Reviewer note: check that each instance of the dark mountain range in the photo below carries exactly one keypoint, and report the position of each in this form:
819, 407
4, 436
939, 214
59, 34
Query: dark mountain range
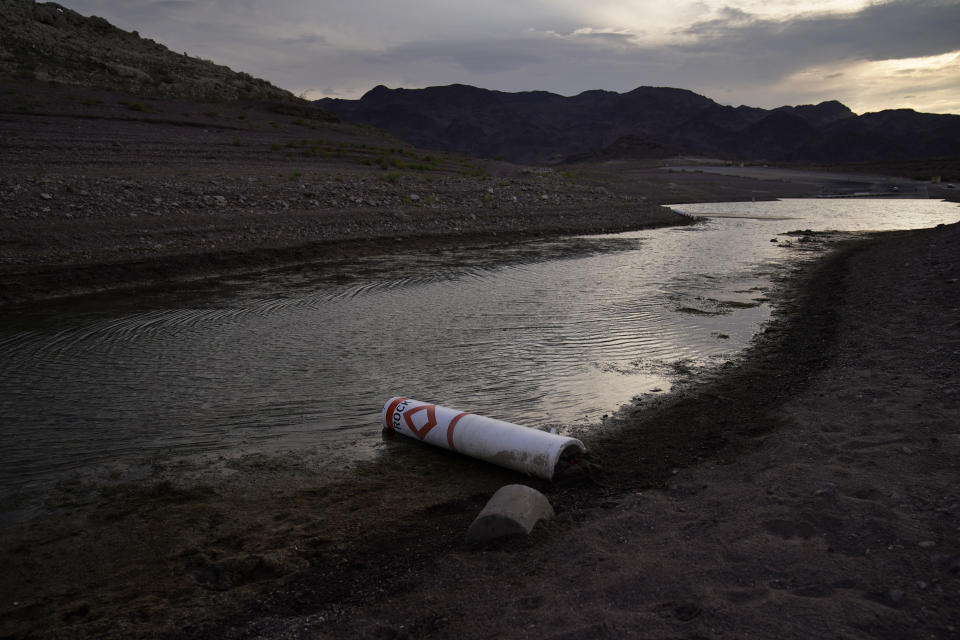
542, 127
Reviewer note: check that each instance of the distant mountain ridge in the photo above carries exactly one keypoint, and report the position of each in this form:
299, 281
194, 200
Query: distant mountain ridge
542, 127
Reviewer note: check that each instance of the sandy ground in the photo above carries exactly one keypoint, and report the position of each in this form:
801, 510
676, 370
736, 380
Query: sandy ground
810, 491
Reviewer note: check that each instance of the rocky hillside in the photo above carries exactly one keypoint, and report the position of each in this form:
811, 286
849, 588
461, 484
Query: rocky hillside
46, 41
647, 122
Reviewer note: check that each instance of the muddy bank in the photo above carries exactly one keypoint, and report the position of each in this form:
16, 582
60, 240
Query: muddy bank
810, 491
41, 259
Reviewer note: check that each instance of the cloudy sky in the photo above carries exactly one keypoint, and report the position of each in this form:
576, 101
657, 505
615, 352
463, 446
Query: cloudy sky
870, 55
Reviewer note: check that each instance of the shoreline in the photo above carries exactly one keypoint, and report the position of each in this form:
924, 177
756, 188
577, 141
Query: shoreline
50, 278
743, 497
95, 195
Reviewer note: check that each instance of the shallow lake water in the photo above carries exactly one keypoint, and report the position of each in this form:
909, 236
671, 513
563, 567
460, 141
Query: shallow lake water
300, 361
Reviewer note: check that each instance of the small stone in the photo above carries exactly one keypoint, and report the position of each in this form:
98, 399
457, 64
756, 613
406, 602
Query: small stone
927, 544
828, 490
414, 197
896, 595
46, 196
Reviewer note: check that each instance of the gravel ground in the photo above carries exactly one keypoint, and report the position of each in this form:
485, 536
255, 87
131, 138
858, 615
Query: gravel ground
95, 194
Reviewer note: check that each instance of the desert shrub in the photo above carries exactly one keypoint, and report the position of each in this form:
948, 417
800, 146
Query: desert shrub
134, 106
393, 177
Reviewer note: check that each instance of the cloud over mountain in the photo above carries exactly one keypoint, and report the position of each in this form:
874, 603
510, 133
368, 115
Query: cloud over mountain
737, 51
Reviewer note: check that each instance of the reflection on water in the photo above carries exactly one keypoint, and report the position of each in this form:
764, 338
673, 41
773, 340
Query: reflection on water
545, 333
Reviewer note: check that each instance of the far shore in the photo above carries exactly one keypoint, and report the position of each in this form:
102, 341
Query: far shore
188, 191
116, 242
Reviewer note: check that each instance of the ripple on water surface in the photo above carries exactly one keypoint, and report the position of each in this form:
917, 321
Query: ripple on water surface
301, 359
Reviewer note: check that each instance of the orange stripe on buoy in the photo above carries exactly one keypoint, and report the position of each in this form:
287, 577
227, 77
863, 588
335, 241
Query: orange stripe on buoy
388, 417
450, 427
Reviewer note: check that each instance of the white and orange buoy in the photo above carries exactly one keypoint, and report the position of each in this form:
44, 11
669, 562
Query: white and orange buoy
502, 443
